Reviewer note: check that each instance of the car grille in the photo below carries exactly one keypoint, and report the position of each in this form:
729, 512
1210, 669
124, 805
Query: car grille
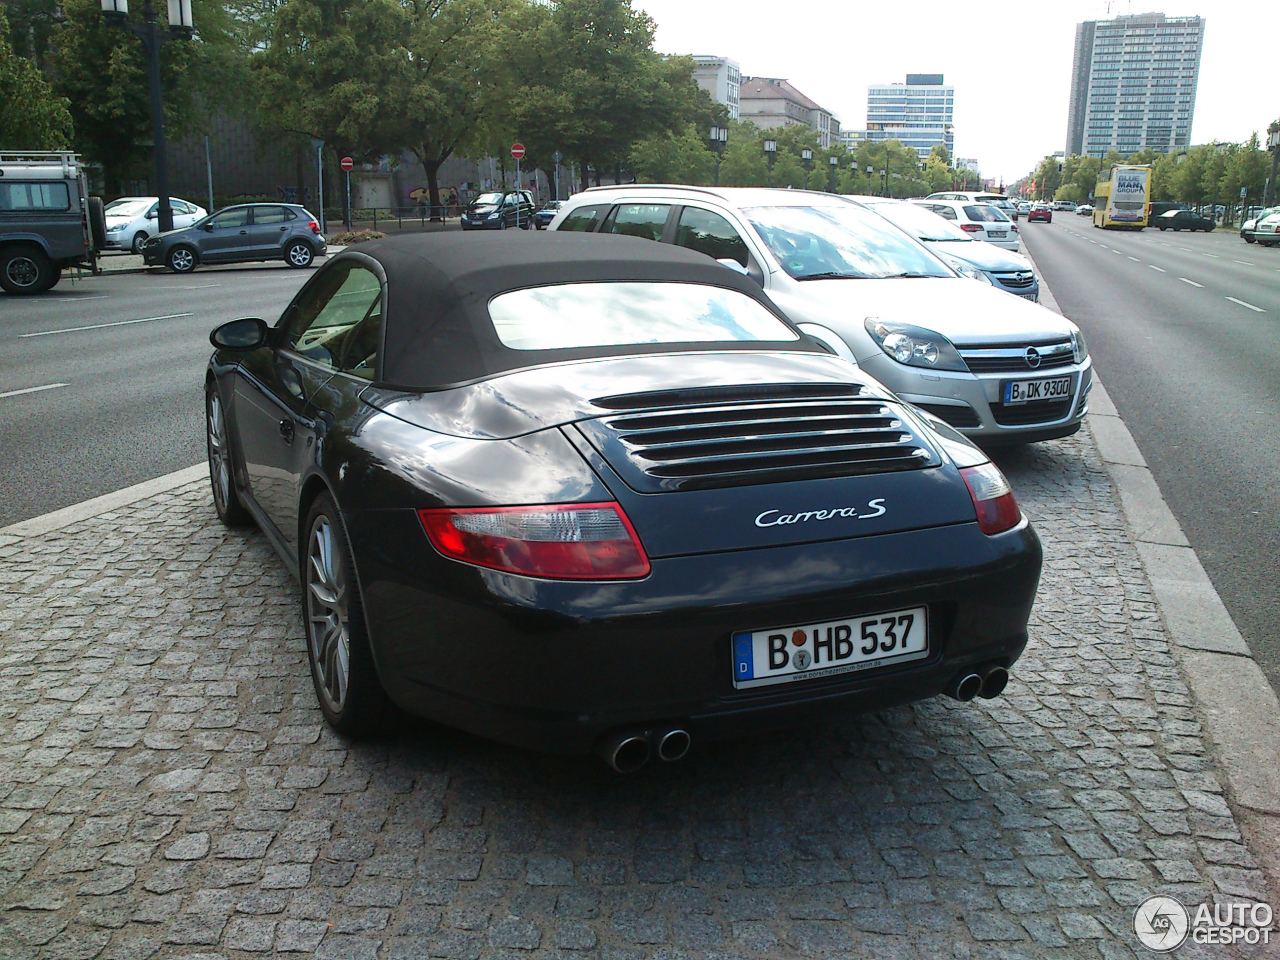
956, 416
1001, 358
1019, 414
731, 436
1016, 281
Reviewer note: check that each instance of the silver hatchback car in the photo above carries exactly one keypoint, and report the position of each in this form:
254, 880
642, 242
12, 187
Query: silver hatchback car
239, 234
996, 367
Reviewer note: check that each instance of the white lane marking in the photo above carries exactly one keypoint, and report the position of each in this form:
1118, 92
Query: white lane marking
1154, 267
1117, 253
1214, 255
201, 286
1185, 249
1247, 263
75, 299
1135, 259
1232, 299
1104, 246
1192, 282
47, 386
99, 326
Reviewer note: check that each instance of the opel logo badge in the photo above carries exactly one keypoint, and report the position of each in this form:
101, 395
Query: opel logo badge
1033, 357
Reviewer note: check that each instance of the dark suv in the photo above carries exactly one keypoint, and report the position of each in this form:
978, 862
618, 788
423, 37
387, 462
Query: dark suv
497, 211
47, 220
248, 232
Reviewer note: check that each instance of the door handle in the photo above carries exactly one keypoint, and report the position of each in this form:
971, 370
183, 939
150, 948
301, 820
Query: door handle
283, 229
286, 430
243, 232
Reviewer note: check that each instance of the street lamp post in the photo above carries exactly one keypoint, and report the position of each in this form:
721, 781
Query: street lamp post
834, 163
719, 137
770, 152
806, 157
116, 13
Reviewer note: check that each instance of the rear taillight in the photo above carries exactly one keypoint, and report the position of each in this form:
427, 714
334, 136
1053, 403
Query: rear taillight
1013, 227
971, 227
992, 498
573, 541
315, 227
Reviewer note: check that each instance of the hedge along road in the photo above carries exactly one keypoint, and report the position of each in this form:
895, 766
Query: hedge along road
101, 379
1185, 332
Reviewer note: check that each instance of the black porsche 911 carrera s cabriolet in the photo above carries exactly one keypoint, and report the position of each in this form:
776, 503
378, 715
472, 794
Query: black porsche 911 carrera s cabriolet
583, 493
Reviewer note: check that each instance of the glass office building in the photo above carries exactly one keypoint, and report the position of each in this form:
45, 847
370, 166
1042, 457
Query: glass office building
916, 113
1133, 84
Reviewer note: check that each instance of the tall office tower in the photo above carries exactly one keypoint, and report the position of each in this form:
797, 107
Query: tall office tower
916, 113
1133, 84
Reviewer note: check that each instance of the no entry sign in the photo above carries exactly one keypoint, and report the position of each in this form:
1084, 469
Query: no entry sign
517, 150
348, 164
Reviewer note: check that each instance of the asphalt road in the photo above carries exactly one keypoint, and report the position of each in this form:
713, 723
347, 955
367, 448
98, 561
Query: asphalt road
114, 365
1184, 330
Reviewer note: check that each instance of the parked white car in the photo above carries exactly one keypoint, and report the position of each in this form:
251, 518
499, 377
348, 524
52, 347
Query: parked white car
983, 220
132, 220
1009, 207
997, 368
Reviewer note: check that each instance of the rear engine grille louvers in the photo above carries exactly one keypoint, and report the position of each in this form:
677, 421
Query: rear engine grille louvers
720, 437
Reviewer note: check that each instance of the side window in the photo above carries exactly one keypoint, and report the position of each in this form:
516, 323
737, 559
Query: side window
235, 217
35, 196
265, 215
320, 321
644, 220
584, 219
711, 234
360, 355
947, 213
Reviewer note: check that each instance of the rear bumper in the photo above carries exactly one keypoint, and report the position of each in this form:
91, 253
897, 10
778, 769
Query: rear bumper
556, 666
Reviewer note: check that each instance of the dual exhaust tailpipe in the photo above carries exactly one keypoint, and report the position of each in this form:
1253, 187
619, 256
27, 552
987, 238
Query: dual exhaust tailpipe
987, 681
626, 751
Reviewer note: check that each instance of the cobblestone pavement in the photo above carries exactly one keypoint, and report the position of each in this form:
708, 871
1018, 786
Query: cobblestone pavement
168, 788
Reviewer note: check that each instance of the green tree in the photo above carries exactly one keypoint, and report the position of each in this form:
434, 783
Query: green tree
685, 157
744, 163
32, 116
335, 71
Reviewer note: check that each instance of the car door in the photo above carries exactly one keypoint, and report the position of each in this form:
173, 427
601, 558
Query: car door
267, 231
225, 235
274, 402
184, 215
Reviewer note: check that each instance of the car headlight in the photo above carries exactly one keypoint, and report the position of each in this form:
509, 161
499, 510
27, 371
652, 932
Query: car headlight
114, 229
490, 216
1079, 349
914, 346
970, 271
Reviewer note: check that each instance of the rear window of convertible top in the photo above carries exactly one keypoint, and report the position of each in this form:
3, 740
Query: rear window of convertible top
618, 313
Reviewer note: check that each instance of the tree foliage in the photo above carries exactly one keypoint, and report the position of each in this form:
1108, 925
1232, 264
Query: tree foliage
32, 116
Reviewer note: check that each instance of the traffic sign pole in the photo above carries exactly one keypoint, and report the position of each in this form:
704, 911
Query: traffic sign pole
347, 165
517, 152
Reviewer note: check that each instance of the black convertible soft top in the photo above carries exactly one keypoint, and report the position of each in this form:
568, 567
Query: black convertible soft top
437, 327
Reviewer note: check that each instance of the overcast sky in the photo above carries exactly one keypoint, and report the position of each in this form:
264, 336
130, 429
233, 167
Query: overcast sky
1011, 73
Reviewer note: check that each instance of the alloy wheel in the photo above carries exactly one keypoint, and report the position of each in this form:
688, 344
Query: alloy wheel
22, 272
300, 255
182, 260
219, 461
328, 629
139, 239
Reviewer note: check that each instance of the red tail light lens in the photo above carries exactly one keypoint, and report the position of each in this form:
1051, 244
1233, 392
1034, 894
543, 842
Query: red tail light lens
992, 498
1013, 227
971, 227
315, 227
572, 541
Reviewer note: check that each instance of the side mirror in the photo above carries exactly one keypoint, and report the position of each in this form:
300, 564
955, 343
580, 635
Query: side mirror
152, 216
207, 226
248, 333
733, 264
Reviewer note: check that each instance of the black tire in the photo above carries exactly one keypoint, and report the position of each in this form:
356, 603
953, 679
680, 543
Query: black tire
25, 270
502, 224
54, 276
139, 239
182, 258
1249, 240
222, 474
97, 224
299, 254
333, 619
